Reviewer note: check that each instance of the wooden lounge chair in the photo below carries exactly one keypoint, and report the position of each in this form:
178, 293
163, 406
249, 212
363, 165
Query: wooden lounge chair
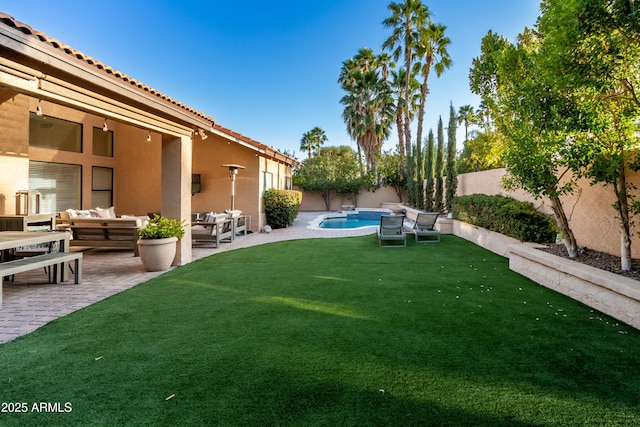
424, 228
216, 228
391, 230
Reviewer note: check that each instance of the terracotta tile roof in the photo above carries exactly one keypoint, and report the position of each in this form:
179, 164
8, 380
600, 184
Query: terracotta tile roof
25, 29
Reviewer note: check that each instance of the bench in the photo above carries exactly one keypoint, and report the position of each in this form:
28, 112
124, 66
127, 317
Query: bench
104, 233
55, 260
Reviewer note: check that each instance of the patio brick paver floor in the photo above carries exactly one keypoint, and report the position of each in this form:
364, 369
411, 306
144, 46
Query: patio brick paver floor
30, 302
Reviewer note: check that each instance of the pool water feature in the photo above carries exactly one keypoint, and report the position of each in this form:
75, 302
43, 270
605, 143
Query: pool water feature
352, 220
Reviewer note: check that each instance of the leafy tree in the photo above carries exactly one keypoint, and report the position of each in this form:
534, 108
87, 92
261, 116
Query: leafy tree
349, 180
392, 169
406, 21
592, 51
331, 171
484, 151
531, 115
452, 175
429, 205
438, 203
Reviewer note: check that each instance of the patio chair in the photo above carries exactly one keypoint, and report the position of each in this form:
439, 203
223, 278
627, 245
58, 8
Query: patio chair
239, 221
424, 228
391, 231
215, 228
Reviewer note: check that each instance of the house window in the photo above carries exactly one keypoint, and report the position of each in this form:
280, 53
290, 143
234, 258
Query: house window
102, 142
267, 181
59, 185
55, 134
101, 187
288, 183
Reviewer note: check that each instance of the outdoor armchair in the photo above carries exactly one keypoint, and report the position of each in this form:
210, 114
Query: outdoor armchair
239, 222
391, 231
215, 228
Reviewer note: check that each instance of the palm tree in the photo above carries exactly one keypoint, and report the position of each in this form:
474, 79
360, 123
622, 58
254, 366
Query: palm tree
466, 115
432, 50
305, 143
407, 18
312, 140
368, 113
368, 102
397, 83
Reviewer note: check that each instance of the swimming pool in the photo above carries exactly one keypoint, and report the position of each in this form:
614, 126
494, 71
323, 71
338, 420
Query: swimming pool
352, 220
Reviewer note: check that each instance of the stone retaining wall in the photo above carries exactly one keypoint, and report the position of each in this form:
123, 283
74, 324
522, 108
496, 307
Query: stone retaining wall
610, 293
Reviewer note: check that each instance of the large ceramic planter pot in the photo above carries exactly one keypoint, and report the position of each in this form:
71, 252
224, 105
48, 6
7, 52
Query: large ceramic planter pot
157, 254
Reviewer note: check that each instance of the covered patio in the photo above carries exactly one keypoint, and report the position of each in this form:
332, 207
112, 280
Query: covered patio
156, 147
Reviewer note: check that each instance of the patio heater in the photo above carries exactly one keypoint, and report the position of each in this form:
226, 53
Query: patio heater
233, 171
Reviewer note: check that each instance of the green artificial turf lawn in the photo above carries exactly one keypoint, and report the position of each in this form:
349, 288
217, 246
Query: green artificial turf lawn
331, 332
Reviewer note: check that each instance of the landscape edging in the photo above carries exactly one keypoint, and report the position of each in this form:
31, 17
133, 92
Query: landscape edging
610, 293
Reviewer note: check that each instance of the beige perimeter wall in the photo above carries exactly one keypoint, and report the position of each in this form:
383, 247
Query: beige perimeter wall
312, 201
590, 209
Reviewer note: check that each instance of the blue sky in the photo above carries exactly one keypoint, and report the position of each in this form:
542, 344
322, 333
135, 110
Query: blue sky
266, 69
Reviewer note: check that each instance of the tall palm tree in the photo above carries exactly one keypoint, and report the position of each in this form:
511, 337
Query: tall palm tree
318, 137
466, 115
312, 140
367, 101
432, 51
368, 113
397, 83
305, 143
406, 20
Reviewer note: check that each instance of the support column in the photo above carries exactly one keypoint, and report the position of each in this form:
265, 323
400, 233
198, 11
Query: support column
176, 188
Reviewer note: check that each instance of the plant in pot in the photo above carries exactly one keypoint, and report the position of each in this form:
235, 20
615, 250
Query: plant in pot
157, 242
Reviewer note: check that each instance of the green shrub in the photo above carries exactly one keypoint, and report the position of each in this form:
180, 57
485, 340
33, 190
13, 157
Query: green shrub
507, 216
281, 207
160, 227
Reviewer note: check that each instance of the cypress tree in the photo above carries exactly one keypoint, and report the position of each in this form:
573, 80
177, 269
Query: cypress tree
411, 178
452, 174
428, 173
439, 202
419, 188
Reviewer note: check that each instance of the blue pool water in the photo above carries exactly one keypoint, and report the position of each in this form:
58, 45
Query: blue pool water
355, 220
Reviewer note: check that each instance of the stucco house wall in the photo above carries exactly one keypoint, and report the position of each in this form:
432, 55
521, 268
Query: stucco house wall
209, 156
137, 164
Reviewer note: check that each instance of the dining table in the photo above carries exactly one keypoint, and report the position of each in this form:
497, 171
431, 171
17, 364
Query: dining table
12, 240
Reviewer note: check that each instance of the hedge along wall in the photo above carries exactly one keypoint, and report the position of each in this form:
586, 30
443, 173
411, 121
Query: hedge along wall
592, 217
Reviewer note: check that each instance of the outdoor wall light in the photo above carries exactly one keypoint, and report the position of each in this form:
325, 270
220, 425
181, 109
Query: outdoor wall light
212, 123
38, 109
104, 126
202, 134
149, 137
